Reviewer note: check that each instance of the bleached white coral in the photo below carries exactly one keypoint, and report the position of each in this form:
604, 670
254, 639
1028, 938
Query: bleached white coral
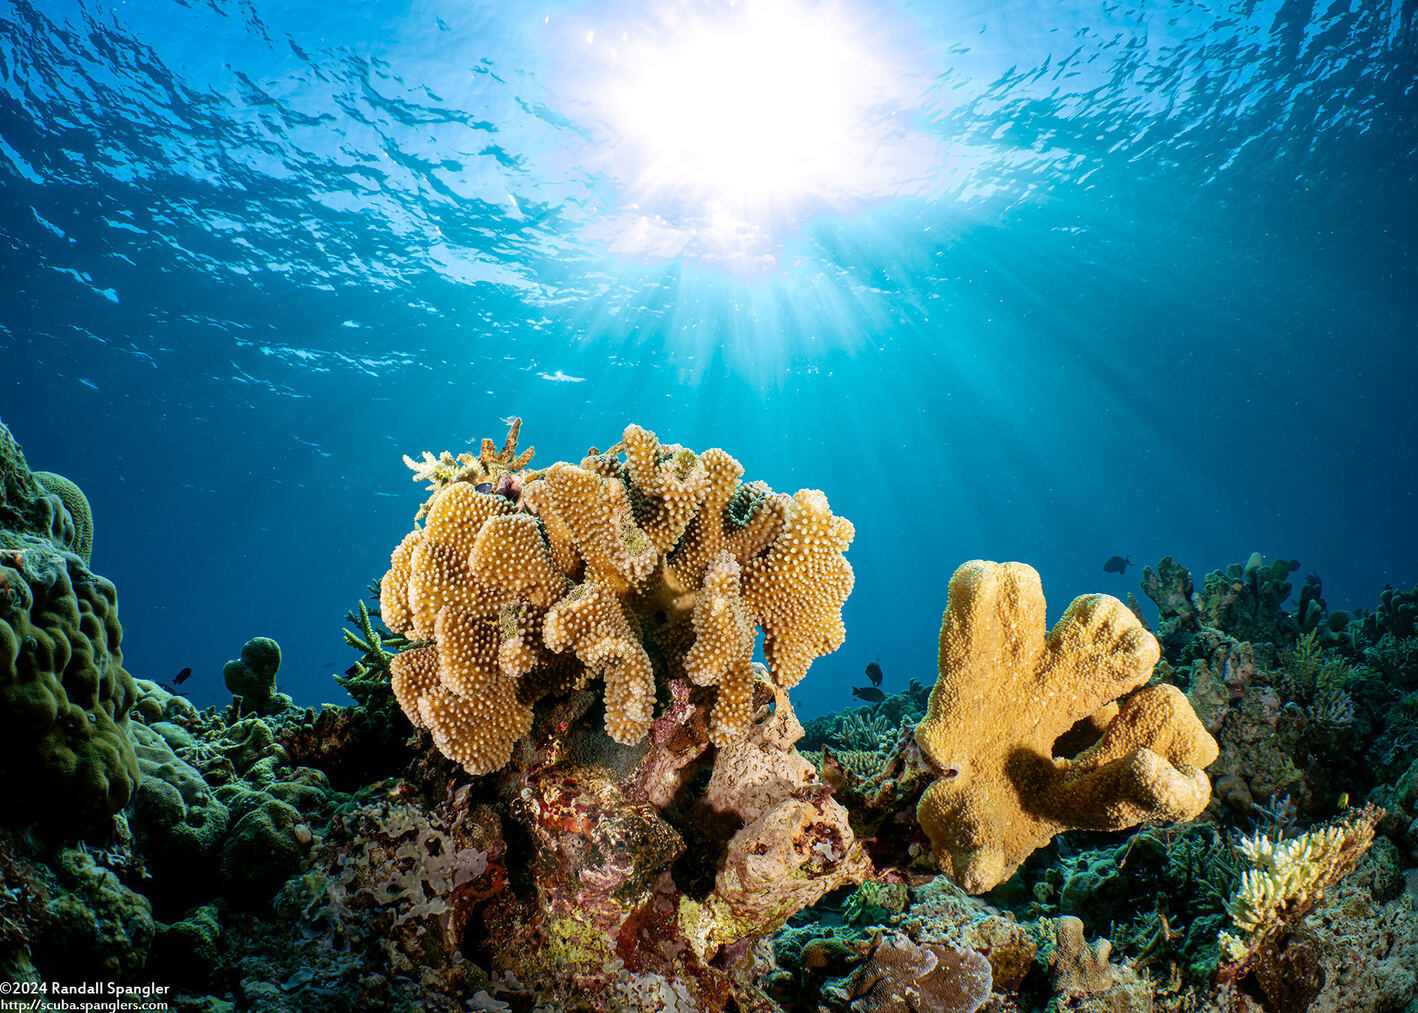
445, 468
1233, 948
1287, 875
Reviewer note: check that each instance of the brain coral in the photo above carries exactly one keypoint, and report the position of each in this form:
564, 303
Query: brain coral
77, 504
1006, 697
65, 753
611, 569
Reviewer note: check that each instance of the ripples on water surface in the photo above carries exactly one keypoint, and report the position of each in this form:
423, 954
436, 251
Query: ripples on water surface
1093, 279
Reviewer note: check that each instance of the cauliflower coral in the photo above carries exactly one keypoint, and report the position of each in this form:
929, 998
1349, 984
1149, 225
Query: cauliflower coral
612, 569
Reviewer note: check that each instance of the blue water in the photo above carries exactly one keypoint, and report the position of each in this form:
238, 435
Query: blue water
1096, 279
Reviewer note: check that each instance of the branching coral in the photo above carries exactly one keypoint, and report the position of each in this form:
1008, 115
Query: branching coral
368, 679
1005, 698
1287, 881
1288, 878
491, 471
856, 730
612, 570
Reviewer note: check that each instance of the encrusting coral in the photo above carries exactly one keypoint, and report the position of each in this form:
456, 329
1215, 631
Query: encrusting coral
794, 844
1007, 695
611, 569
902, 976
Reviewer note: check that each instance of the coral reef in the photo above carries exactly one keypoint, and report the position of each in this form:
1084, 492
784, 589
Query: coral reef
605, 802
639, 861
1246, 599
1005, 697
65, 755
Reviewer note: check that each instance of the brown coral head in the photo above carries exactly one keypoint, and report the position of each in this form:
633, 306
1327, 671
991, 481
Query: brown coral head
902, 976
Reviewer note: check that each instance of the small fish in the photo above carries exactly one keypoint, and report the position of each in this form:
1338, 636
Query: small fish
1117, 564
874, 673
868, 693
183, 676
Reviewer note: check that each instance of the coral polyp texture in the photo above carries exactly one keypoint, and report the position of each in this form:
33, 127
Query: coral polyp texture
523, 583
1006, 697
65, 754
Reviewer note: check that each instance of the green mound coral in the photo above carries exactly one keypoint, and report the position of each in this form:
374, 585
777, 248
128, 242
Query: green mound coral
65, 752
174, 813
77, 504
252, 677
273, 807
186, 950
94, 926
1246, 600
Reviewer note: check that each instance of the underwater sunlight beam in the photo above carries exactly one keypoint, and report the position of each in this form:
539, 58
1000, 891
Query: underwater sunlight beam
726, 126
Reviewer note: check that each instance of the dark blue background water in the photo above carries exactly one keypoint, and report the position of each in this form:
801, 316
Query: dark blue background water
1159, 298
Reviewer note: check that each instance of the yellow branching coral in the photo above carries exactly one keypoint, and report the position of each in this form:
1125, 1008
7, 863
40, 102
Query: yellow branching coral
601, 571
798, 586
1006, 696
595, 509
666, 484
722, 654
591, 621
739, 519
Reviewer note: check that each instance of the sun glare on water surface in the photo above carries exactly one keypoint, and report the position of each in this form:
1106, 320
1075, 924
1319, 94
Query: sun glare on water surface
724, 126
